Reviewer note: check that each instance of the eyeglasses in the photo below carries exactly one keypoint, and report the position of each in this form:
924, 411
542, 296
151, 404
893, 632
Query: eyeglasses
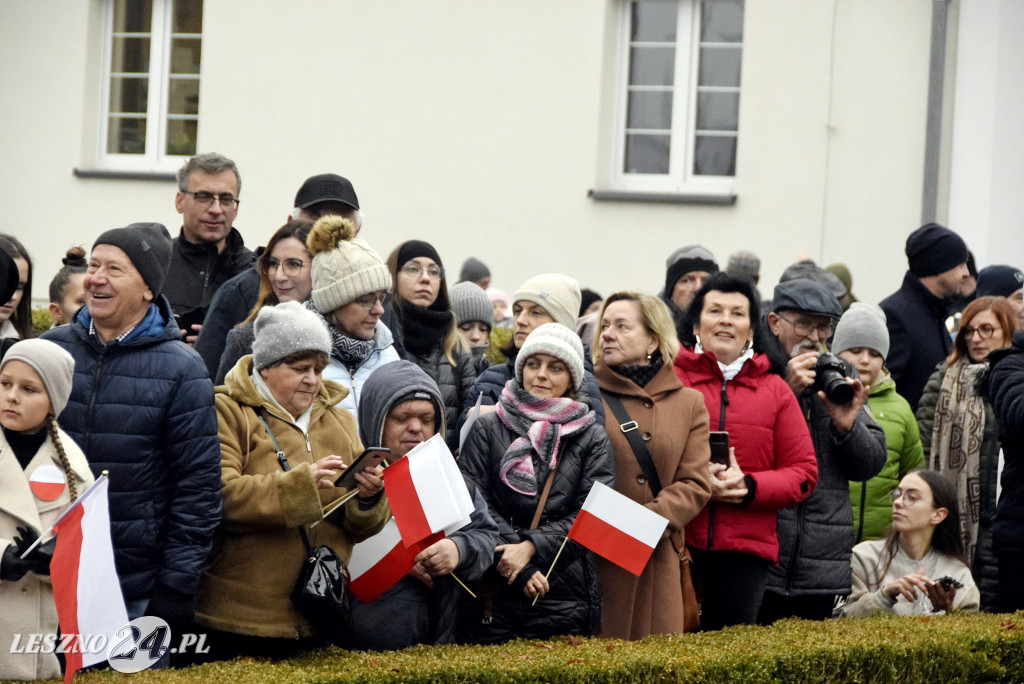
291, 267
984, 330
910, 497
414, 269
368, 301
805, 329
205, 199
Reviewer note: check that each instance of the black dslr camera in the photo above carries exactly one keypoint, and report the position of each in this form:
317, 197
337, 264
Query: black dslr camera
830, 378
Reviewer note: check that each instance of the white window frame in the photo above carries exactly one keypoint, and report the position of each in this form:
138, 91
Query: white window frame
154, 159
680, 179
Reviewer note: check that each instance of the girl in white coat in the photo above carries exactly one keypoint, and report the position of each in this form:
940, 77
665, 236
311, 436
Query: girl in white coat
42, 471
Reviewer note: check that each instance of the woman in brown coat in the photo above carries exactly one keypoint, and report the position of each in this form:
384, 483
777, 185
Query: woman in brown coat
635, 349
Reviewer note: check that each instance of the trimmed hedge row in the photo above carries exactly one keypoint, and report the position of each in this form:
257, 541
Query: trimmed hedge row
878, 650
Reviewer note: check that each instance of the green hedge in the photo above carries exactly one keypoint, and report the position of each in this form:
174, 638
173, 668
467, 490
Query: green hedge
931, 650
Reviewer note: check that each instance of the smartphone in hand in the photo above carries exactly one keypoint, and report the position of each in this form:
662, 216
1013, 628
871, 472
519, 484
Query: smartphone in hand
719, 447
371, 458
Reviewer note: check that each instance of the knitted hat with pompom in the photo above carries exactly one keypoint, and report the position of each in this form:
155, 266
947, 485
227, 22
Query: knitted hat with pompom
344, 267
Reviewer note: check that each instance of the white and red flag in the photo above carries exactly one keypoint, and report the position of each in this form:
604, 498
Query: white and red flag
618, 528
85, 585
427, 492
383, 559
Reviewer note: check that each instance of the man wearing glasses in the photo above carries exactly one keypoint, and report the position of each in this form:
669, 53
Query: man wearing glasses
208, 250
816, 535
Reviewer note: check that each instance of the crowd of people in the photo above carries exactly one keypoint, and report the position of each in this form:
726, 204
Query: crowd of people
867, 458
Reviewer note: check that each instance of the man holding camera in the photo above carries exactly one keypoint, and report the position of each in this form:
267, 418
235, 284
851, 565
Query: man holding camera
816, 536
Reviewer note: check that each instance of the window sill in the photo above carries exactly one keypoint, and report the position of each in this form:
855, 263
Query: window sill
107, 174
667, 197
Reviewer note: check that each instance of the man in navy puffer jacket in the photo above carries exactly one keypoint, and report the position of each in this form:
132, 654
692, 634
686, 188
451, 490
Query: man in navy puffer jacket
141, 407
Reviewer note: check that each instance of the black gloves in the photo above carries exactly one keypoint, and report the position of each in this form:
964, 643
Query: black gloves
171, 605
13, 567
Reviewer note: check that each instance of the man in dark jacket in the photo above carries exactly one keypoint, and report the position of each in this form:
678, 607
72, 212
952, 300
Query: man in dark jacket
686, 269
916, 313
208, 251
1006, 391
402, 407
141, 407
816, 535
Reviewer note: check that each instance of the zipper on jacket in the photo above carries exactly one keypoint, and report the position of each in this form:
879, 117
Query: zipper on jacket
713, 507
96, 373
863, 505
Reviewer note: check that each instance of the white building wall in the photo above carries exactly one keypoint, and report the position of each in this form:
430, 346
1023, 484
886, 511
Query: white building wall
479, 126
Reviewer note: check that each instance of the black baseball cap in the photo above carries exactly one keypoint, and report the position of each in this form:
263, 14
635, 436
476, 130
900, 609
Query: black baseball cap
326, 187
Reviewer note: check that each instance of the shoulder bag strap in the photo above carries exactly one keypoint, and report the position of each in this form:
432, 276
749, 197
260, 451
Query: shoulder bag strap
630, 429
544, 495
283, 460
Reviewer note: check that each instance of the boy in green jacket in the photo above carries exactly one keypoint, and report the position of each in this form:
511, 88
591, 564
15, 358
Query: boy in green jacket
862, 339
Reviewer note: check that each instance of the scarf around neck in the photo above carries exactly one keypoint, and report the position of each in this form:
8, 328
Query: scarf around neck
424, 329
641, 375
348, 350
540, 424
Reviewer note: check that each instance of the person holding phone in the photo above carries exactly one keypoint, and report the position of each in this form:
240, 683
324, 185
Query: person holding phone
920, 568
771, 461
244, 600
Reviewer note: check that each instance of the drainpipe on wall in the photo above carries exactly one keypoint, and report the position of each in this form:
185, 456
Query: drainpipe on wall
933, 127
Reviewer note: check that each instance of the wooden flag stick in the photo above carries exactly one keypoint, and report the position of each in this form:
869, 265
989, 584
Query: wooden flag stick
330, 508
564, 542
463, 585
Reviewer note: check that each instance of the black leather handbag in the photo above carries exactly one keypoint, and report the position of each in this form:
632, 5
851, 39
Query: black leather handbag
321, 593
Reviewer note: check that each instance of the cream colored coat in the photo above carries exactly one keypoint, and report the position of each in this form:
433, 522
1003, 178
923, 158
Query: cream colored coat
246, 588
26, 606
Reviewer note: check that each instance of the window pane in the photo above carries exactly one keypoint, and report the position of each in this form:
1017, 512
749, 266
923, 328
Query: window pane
129, 95
133, 16
183, 96
181, 137
650, 110
654, 20
720, 67
714, 156
127, 136
185, 54
718, 111
647, 153
130, 55
188, 16
652, 66
722, 21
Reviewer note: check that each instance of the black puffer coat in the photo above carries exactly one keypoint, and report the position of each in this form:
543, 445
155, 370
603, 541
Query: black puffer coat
453, 381
573, 605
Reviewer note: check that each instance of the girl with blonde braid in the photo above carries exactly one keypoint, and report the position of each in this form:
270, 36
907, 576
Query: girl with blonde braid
42, 471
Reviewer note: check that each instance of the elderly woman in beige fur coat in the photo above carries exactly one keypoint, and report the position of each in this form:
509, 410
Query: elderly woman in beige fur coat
42, 471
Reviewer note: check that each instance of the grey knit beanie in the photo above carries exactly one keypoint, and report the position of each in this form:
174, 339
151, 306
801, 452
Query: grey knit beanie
286, 329
863, 325
555, 340
148, 245
557, 294
471, 303
55, 366
685, 260
344, 267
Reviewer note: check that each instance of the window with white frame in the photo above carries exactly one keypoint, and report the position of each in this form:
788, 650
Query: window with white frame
677, 109
150, 92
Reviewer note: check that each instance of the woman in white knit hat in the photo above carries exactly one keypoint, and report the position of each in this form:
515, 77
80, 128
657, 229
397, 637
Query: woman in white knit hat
351, 288
512, 456
42, 471
275, 396
546, 298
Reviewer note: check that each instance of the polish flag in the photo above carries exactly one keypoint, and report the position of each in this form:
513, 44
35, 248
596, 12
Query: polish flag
427, 492
618, 528
85, 585
383, 559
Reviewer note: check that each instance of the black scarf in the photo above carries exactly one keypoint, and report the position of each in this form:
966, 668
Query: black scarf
424, 329
641, 375
351, 352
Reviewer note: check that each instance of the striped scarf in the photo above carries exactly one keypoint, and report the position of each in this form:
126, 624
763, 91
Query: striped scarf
540, 424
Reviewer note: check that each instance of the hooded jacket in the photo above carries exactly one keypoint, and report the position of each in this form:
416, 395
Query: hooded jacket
454, 383
872, 510
410, 612
143, 410
247, 587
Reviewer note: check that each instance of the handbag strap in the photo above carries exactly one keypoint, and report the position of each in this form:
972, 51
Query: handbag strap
544, 495
632, 432
283, 460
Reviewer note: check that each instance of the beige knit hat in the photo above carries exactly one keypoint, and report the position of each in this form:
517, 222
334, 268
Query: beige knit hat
344, 267
55, 366
557, 294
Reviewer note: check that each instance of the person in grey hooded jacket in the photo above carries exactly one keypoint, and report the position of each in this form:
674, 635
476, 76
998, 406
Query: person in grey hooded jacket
401, 407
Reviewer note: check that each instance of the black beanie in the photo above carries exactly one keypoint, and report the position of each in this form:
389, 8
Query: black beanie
933, 249
148, 245
417, 248
684, 260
